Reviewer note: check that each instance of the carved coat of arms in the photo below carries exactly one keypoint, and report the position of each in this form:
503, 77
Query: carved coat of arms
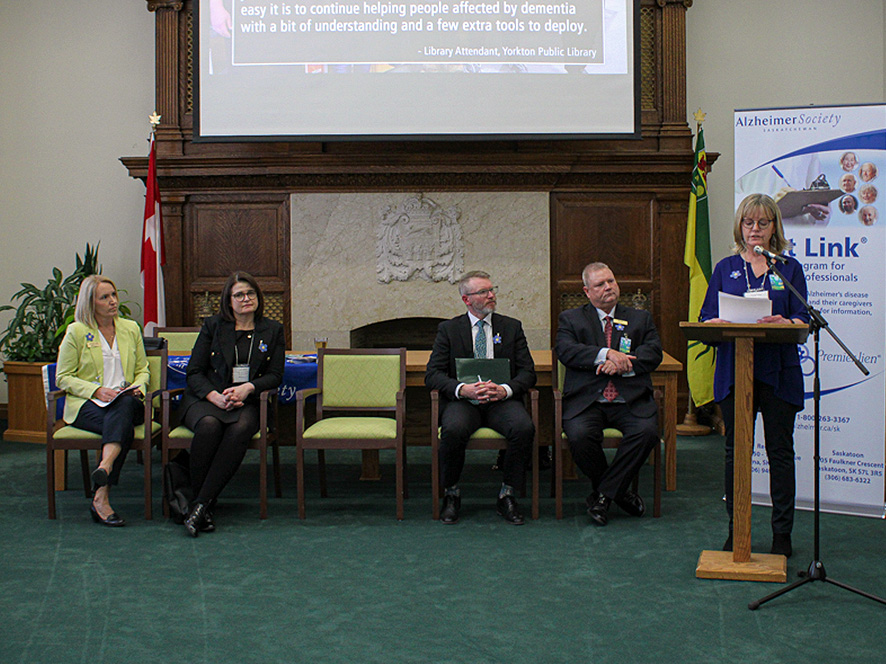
418, 237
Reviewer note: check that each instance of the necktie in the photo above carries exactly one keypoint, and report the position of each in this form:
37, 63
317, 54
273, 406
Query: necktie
609, 392
480, 341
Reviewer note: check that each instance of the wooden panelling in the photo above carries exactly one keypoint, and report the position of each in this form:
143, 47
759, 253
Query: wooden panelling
226, 233
616, 229
235, 237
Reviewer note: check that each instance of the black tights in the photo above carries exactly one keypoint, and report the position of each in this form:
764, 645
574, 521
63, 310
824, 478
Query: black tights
217, 451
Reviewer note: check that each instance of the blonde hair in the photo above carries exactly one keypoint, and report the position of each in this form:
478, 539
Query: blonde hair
85, 309
755, 203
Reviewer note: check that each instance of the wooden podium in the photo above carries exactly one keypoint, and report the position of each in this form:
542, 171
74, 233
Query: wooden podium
740, 564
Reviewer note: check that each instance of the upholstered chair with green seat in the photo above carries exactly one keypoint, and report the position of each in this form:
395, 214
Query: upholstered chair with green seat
61, 436
179, 340
611, 440
361, 405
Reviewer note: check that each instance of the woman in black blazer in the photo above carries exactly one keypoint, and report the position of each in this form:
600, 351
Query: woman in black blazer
238, 354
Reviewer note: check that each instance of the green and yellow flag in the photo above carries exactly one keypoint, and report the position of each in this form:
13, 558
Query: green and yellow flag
697, 257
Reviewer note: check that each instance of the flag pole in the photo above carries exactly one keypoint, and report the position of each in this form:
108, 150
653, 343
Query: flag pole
690, 425
153, 254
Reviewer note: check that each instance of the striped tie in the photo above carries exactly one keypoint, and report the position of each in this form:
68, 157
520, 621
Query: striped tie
609, 392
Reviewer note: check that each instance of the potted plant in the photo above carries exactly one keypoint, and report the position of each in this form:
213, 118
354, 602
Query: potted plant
31, 340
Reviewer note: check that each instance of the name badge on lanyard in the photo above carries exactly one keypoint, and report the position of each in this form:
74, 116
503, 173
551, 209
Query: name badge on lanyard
241, 373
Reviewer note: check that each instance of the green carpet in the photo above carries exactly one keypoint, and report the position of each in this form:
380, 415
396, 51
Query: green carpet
352, 584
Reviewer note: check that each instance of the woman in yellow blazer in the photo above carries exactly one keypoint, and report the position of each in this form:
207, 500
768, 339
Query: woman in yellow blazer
100, 356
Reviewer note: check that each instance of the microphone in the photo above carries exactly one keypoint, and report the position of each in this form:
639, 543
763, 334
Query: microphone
773, 257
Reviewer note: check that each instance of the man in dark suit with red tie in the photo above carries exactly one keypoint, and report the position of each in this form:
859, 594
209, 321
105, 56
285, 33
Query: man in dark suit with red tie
467, 406
609, 352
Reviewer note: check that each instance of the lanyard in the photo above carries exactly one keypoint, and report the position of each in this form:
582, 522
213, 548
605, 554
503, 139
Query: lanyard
747, 279
237, 351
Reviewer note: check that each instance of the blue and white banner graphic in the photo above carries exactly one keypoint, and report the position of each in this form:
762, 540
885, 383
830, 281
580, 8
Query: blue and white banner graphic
827, 168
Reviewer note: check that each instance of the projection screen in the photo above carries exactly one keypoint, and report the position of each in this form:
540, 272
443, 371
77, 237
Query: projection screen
437, 69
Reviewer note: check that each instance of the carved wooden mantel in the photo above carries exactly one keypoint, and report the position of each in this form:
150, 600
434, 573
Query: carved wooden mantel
641, 186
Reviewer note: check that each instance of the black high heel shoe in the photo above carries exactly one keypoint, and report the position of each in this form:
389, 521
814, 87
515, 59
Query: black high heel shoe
113, 521
99, 477
208, 525
196, 519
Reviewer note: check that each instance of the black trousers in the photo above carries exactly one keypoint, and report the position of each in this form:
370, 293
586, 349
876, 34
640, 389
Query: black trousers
460, 419
217, 450
778, 429
585, 434
115, 424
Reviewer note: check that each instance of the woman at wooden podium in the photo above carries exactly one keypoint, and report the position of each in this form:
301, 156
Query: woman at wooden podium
778, 380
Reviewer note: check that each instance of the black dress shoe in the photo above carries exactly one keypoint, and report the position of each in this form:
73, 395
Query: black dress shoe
599, 511
781, 544
449, 511
113, 521
99, 477
195, 519
631, 503
509, 511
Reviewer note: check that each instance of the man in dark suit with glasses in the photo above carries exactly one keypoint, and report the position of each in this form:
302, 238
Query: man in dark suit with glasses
468, 405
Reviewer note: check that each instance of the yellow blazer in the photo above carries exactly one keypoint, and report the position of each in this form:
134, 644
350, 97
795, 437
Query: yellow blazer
80, 370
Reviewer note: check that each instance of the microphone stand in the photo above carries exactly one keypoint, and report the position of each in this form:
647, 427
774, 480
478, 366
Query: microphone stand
815, 571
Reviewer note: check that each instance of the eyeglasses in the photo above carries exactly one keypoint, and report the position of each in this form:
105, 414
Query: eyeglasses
762, 224
484, 292
242, 295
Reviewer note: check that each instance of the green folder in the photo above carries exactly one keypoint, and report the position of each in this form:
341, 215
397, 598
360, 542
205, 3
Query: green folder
471, 369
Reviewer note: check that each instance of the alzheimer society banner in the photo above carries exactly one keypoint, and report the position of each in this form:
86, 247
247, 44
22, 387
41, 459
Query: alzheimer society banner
826, 167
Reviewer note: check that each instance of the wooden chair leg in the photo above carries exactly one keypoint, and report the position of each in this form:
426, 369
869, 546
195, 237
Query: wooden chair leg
278, 488
405, 472
149, 507
435, 478
536, 463
164, 459
300, 479
401, 453
321, 468
558, 478
263, 482
84, 470
50, 480
656, 481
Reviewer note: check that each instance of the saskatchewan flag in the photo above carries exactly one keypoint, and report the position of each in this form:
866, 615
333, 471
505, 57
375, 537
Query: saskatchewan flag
697, 257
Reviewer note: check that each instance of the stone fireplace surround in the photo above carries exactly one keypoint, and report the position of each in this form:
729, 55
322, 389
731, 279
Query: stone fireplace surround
335, 284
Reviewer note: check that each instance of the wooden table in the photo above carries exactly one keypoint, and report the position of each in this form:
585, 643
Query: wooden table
664, 378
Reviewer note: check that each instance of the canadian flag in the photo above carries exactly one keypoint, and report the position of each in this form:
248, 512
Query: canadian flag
153, 253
